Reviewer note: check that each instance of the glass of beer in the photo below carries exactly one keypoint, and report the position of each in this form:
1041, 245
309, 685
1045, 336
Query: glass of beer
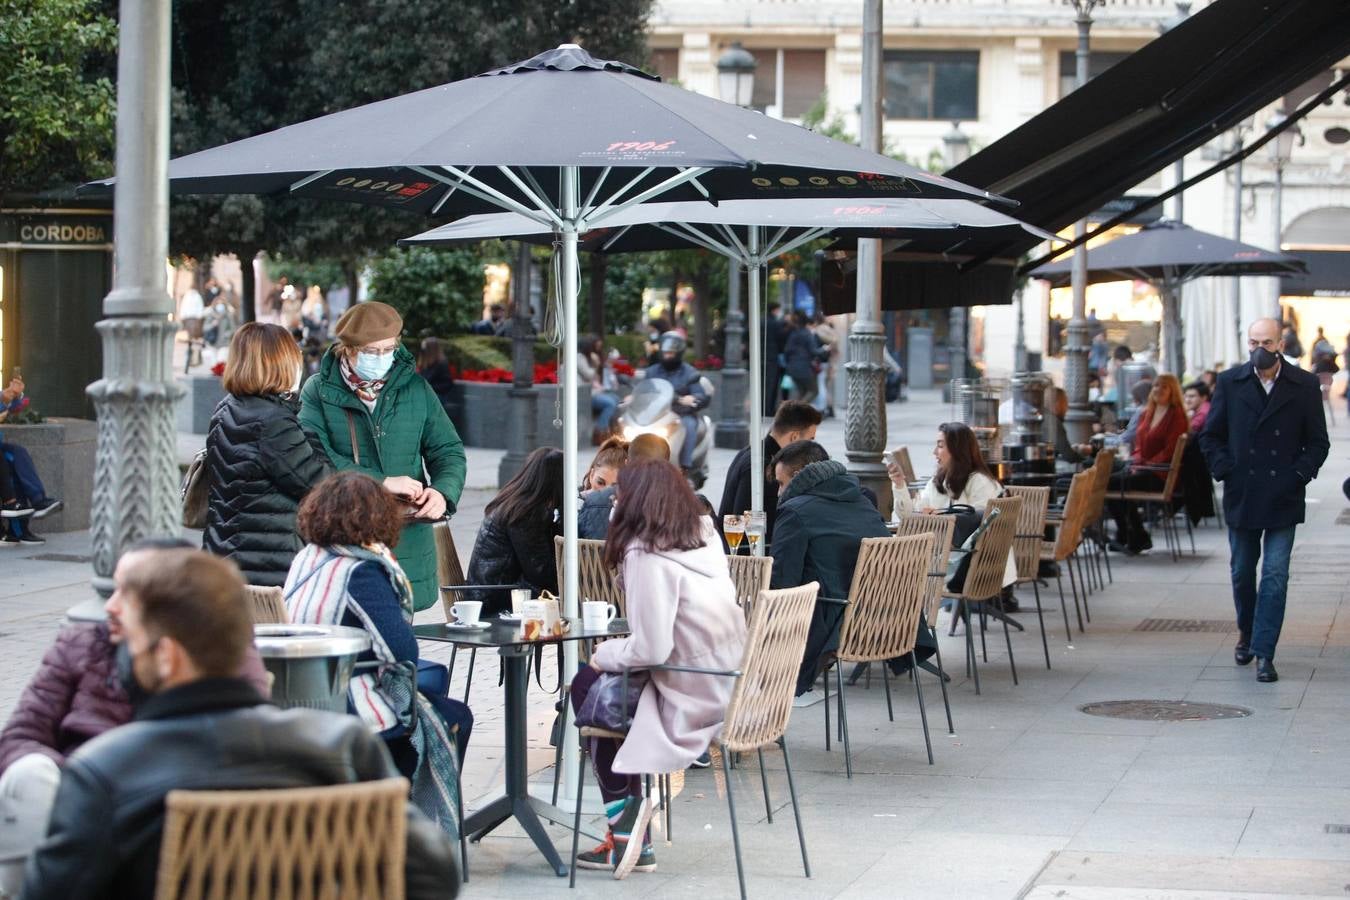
754, 528
734, 529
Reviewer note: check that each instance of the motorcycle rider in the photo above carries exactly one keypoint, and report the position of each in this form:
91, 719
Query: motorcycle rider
690, 397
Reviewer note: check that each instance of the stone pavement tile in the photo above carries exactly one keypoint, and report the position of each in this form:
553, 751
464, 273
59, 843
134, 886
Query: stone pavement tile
978, 815
1098, 757
936, 864
1078, 892
1286, 834
1160, 828
1237, 764
1167, 875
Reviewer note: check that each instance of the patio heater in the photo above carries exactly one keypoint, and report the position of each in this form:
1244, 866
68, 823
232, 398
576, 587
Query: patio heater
975, 401
736, 84
1025, 449
1281, 150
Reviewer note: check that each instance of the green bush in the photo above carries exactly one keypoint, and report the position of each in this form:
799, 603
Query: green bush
471, 352
436, 290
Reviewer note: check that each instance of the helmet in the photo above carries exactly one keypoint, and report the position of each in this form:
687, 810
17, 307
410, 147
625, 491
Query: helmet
672, 342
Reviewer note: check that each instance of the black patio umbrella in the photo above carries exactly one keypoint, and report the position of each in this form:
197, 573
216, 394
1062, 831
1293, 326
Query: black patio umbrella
1168, 254
751, 232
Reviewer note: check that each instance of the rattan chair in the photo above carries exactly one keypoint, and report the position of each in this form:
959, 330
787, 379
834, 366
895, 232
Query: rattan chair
595, 580
1061, 550
1027, 547
984, 578
881, 620
761, 703
267, 605
346, 841
1094, 519
1162, 499
450, 574
750, 575
940, 530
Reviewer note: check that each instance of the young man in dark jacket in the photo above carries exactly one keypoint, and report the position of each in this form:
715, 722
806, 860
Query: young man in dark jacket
794, 421
187, 630
822, 519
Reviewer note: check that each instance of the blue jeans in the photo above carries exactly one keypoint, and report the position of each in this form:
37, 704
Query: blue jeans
690, 423
1260, 610
603, 405
26, 479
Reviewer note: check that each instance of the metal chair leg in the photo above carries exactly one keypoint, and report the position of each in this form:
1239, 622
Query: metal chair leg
1190, 532
984, 647
468, 682
1007, 636
843, 722
1040, 616
970, 648
1068, 632
562, 730
735, 830
942, 680
1073, 588
796, 811
886, 682
576, 818
1107, 556
923, 713
1087, 610
666, 798
827, 709
764, 780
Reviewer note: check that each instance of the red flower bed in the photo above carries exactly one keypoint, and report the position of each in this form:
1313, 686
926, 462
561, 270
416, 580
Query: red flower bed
544, 373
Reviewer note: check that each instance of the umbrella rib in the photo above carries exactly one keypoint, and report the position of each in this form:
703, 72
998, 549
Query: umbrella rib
778, 236
610, 208
805, 237
475, 188
614, 198
683, 231
595, 189
308, 178
448, 193
614, 239
534, 182
534, 194
734, 240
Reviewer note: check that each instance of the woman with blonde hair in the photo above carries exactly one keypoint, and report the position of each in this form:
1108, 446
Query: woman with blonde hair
1161, 424
260, 462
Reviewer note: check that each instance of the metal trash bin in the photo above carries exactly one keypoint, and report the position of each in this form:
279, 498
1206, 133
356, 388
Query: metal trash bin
311, 665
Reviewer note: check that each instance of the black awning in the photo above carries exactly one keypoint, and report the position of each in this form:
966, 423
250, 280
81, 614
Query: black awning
1081, 154
1171, 96
1328, 274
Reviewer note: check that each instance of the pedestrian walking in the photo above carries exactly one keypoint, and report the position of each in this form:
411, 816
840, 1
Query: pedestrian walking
373, 413
1265, 439
260, 463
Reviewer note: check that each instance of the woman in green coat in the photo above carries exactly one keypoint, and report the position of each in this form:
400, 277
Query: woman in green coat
374, 414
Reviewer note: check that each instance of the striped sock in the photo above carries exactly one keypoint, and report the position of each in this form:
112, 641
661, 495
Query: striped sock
614, 809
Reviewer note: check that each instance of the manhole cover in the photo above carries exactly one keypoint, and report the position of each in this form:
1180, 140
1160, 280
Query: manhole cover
1196, 626
1164, 710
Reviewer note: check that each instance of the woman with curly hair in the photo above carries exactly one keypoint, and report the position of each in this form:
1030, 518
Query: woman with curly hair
347, 575
681, 611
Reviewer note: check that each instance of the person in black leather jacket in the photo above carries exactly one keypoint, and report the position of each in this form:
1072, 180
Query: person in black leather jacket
515, 542
260, 462
186, 626
690, 397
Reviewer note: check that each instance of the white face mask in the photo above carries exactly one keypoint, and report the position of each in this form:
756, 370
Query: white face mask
373, 366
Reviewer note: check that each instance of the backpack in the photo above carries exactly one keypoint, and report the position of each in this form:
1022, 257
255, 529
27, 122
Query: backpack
196, 490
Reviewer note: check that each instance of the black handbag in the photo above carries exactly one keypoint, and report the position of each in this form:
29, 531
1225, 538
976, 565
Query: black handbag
608, 706
970, 524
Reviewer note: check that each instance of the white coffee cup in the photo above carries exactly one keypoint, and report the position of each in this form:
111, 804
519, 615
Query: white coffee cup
466, 612
597, 614
518, 598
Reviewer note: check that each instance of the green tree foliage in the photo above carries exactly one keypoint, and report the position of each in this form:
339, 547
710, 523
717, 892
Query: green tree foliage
438, 291
56, 99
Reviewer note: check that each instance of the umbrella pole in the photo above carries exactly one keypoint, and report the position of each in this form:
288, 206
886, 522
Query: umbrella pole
756, 337
571, 176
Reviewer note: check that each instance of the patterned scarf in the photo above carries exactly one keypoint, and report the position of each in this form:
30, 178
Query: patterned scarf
367, 391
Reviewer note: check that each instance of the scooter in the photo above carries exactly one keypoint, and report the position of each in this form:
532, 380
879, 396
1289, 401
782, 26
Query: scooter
650, 409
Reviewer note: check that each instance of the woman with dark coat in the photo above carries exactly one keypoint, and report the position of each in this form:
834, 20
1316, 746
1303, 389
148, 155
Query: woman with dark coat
515, 541
260, 462
802, 352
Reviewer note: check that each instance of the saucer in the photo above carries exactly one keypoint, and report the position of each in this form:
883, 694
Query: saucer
461, 626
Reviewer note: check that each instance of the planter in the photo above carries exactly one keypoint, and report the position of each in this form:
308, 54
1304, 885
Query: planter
202, 393
63, 453
481, 413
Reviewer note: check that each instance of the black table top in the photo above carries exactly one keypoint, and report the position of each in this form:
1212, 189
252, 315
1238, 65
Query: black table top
507, 634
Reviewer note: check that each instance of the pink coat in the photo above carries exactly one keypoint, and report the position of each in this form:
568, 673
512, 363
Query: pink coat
682, 611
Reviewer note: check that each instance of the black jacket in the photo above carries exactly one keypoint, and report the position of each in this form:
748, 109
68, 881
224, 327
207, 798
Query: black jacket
822, 519
736, 491
521, 553
261, 464
593, 516
215, 734
799, 352
1265, 448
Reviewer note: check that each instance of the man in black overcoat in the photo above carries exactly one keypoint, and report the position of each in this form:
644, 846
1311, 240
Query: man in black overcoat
1265, 439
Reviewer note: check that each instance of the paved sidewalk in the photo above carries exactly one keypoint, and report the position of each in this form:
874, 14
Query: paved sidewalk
1030, 797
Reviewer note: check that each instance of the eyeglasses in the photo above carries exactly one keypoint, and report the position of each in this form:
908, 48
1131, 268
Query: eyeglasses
377, 351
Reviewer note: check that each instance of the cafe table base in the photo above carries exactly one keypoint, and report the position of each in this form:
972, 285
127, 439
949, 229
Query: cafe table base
516, 801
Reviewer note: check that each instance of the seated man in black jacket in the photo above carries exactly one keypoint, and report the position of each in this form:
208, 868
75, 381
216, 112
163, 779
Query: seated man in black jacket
822, 519
794, 421
186, 626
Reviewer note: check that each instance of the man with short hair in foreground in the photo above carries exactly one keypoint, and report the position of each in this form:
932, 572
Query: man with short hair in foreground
187, 628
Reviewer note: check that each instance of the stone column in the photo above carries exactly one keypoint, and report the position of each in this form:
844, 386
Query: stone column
1078, 422
136, 483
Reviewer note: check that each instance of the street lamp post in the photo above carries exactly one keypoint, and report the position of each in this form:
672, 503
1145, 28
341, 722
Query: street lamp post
735, 84
1281, 150
956, 150
136, 464
1078, 422
1244, 125
865, 420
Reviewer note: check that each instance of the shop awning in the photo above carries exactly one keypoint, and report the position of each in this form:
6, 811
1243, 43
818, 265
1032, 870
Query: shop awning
1328, 274
1171, 96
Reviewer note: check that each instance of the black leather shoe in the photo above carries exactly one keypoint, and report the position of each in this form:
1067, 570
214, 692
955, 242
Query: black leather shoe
1265, 671
1242, 652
